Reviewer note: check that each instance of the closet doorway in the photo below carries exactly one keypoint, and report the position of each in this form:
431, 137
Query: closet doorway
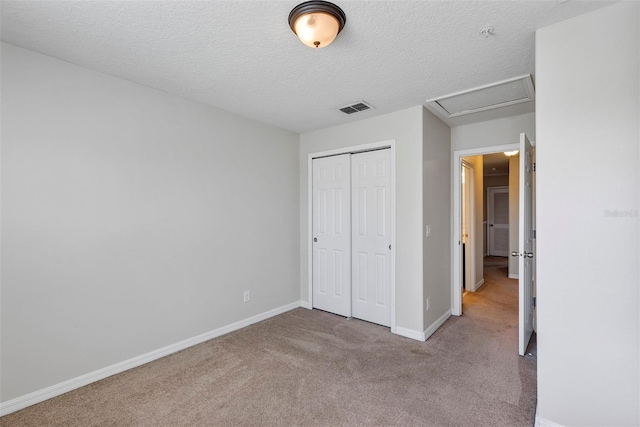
352, 239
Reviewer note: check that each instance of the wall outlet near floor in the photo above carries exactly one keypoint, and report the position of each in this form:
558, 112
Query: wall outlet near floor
428, 303
247, 296
427, 231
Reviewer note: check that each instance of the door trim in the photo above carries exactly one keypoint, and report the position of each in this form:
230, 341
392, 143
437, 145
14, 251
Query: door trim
456, 218
471, 227
391, 144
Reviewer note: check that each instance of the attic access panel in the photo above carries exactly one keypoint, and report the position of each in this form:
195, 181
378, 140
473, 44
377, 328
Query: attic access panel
482, 98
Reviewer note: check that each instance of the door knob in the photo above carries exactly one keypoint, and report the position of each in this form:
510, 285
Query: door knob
389, 247
315, 239
490, 225
528, 254
514, 253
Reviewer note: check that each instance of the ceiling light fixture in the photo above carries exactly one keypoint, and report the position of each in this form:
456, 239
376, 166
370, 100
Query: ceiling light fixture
317, 23
510, 153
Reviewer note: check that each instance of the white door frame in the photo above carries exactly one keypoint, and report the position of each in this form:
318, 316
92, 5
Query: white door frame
391, 144
456, 201
471, 226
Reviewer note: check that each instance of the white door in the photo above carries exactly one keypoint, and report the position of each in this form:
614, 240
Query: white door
332, 234
371, 236
468, 230
498, 219
525, 326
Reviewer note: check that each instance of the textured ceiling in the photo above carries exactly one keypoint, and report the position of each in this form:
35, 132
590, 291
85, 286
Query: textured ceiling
241, 56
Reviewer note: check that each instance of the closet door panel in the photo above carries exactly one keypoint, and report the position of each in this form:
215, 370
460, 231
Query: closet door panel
371, 236
331, 217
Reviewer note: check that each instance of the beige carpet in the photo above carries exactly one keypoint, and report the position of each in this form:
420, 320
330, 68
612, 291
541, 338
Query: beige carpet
314, 368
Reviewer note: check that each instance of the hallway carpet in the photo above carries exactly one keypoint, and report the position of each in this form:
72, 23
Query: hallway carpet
314, 368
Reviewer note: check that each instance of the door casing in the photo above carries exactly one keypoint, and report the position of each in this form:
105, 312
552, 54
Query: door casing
391, 144
470, 246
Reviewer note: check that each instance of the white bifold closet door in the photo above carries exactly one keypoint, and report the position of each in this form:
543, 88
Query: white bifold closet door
332, 234
371, 236
352, 235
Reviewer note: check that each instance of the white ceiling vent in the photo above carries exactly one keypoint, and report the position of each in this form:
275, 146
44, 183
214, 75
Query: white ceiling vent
494, 95
355, 108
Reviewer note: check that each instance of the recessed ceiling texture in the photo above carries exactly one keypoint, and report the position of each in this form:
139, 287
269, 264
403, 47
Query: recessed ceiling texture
241, 56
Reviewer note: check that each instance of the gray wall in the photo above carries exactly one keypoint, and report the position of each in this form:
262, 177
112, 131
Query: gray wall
436, 200
588, 120
131, 220
493, 132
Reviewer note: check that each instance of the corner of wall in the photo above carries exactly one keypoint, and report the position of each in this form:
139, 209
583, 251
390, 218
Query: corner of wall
436, 193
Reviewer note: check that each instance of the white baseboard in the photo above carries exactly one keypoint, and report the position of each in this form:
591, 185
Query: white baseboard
480, 283
514, 276
74, 383
306, 304
541, 422
435, 325
424, 335
410, 333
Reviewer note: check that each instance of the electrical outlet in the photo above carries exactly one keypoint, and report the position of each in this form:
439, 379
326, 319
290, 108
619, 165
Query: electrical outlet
428, 303
247, 296
427, 231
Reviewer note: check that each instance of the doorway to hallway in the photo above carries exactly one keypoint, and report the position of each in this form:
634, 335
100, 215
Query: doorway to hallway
469, 196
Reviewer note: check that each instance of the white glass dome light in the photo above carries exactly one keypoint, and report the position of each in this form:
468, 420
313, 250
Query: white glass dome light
317, 23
